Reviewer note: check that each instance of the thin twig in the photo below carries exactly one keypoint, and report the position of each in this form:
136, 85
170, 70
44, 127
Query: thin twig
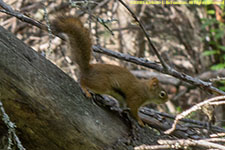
11, 129
217, 103
165, 66
217, 135
217, 79
8, 10
189, 142
215, 140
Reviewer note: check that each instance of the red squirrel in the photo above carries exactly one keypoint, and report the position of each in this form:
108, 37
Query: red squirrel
112, 80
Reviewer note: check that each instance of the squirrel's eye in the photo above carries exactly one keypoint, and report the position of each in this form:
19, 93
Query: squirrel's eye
162, 94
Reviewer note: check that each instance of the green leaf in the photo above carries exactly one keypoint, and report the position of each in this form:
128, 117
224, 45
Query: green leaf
179, 109
213, 43
219, 35
216, 30
222, 88
210, 52
218, 67
222, 47
208, 22
222, 82
211, 12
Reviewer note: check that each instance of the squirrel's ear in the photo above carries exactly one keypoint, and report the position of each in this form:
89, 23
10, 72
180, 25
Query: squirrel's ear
153, 82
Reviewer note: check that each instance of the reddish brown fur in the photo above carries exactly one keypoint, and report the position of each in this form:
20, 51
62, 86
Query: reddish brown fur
79, 38
108, 79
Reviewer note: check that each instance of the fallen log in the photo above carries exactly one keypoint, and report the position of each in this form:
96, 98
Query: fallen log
48, 106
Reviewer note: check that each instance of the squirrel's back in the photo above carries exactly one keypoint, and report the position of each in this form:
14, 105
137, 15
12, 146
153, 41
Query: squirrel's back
79, 38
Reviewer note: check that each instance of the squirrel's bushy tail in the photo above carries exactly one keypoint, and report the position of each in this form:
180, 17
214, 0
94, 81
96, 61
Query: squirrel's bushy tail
79, 38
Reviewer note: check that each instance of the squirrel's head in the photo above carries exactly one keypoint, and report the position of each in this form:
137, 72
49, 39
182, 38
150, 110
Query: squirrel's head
158, 94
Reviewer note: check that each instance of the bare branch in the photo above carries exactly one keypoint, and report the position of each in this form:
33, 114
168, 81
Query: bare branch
217, 79
192, 109
217, 103
8, 10
217, 135
143, 62
215, 140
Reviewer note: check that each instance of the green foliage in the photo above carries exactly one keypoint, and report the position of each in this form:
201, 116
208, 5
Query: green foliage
215, 35
222, 88
208, 22
218, 66
192, 115
222, 83
211, 12
178, 109
210, 52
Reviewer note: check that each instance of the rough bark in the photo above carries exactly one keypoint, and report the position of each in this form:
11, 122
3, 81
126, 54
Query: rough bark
48, 106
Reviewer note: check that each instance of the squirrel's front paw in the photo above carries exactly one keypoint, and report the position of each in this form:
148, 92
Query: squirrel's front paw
86, 92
